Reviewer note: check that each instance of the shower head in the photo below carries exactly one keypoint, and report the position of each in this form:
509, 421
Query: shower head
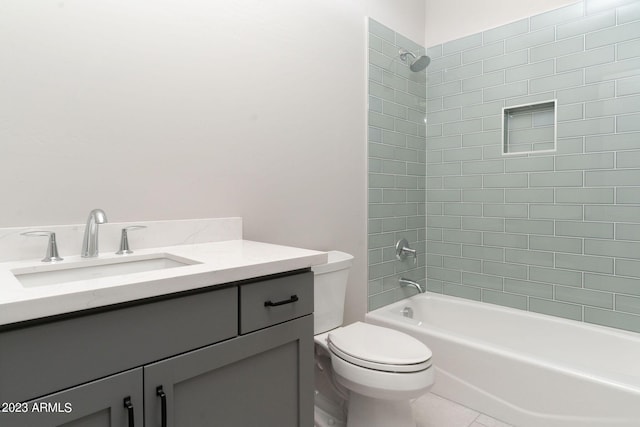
418, 64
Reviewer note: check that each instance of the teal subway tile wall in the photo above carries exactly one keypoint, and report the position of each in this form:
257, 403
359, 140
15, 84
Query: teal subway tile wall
397, 160
551, 232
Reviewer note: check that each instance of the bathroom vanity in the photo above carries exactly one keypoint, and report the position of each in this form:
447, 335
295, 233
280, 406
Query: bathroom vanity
237, 351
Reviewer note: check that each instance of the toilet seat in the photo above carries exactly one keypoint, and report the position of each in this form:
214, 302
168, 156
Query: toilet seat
378, 348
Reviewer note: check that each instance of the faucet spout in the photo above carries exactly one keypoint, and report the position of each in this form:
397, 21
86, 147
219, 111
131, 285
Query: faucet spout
90, 241
407, 282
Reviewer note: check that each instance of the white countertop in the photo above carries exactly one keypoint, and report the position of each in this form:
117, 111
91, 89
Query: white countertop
218, 263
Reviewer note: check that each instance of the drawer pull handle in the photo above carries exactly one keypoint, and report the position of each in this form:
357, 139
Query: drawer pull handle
163, 398
129, 406
293, 299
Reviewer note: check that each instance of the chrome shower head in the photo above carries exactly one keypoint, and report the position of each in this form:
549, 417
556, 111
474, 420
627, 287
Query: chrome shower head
418, 64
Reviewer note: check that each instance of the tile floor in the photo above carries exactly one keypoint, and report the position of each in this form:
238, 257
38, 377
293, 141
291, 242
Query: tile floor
434, 411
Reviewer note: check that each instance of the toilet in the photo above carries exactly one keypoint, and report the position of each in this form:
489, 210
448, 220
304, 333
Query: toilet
366, 375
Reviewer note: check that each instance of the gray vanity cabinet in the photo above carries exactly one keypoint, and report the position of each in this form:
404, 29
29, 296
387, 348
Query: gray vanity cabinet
54, 354
261, 379
239, 355
99, 403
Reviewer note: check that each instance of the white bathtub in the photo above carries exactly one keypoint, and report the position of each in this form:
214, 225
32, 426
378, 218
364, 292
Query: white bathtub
524, 368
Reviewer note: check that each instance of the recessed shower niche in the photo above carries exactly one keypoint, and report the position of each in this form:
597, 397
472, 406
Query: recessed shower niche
529, 128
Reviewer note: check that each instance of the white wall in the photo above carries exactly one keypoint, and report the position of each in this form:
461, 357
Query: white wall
188, 109
406, 17
451, 19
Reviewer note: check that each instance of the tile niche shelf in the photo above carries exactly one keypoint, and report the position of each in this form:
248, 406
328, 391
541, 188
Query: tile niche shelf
529, 128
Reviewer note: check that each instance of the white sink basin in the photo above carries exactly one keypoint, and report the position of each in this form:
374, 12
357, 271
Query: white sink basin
45, 275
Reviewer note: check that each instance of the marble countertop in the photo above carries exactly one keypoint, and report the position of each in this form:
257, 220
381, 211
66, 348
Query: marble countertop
217, 263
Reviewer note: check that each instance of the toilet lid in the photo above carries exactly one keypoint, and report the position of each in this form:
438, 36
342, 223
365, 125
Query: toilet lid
379, 348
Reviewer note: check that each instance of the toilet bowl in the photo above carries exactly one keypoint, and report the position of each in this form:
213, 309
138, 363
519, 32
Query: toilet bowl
381, 369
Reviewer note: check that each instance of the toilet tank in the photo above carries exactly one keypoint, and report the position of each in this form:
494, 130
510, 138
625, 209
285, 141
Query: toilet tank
329, 288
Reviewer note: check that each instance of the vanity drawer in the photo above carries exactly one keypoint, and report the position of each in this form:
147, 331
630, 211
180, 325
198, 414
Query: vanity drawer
273, 301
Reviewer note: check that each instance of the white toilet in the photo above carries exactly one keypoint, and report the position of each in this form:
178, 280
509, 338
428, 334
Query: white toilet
366, 375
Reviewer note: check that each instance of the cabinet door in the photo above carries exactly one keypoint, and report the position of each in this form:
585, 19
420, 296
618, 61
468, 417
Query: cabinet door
264, 378
99, 403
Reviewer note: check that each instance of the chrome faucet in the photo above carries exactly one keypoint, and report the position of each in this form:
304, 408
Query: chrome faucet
407, 282
90, 241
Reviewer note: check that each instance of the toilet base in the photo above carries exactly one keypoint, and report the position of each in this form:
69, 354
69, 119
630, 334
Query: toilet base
322, 418
369, 412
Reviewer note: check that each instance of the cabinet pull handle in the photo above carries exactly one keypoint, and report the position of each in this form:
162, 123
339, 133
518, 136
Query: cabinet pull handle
129, 406
269, 303
163, 399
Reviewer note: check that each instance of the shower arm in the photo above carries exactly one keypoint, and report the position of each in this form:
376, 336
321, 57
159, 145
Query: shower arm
404, 53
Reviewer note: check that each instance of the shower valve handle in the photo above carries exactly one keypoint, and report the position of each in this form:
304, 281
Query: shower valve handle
403, 250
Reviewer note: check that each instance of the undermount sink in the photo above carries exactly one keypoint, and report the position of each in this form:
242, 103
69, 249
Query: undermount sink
53, 274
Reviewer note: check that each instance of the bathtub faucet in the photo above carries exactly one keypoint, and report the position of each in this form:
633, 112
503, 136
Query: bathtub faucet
407, 282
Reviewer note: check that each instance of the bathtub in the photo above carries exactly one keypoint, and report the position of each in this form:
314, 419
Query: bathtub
524, 368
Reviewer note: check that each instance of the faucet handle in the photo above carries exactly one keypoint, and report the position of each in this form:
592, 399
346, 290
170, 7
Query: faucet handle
124, 239
52, 246
403, 249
